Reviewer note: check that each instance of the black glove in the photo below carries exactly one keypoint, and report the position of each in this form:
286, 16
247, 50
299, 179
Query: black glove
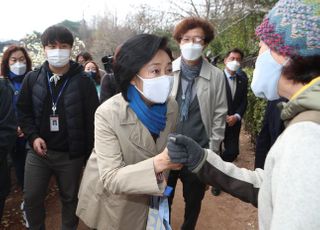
184, 150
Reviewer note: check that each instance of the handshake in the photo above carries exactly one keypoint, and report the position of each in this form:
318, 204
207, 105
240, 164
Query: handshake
183, 150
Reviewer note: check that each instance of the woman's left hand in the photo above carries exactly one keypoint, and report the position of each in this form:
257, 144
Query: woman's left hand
162, 162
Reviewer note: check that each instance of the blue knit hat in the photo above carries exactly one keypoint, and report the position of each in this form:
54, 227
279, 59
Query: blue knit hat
292, 28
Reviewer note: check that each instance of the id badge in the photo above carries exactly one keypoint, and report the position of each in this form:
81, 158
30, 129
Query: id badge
54, 123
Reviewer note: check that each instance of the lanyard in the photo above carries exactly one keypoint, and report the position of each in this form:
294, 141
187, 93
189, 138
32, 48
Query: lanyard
55, 100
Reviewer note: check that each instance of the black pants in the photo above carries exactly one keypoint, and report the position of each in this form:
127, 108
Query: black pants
38, 172
4, 182
18, 156
231, 143
193, 193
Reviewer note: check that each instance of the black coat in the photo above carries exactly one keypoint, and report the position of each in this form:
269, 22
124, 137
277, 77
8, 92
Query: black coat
272, 127
77, 106
109, 87
8, 124
8, 134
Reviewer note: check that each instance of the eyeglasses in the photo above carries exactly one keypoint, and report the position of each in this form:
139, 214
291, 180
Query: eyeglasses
196, 39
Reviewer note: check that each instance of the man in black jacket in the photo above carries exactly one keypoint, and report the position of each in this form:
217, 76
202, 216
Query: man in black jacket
7, 137
237, 88
56, 112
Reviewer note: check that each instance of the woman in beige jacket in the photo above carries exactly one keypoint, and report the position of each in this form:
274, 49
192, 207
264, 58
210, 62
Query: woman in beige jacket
130, 157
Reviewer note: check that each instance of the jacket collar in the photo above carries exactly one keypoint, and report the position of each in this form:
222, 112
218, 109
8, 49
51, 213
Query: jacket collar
307, 98
205, 73
205, 68
139, 135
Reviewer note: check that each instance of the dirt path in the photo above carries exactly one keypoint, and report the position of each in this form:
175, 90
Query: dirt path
222, 212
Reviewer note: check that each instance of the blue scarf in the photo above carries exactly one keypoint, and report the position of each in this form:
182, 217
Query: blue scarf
153, 117
16, 80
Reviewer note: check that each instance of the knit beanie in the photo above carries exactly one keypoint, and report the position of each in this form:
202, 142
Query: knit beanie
292, 28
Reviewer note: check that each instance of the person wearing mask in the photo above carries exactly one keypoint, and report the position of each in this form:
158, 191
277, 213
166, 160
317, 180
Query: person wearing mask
56, 110
237, 89
84, 57
16, 63
8, 134
129, 161
92, 69
200, 91
287, 190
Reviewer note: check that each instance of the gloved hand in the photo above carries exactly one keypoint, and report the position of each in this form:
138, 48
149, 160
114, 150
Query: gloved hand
184, 150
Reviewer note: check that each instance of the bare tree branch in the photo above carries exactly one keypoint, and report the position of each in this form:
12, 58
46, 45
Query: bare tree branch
194, 8
234, 23
207, 8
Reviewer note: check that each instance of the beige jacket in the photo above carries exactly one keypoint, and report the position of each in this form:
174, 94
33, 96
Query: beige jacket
212, 96
119, 176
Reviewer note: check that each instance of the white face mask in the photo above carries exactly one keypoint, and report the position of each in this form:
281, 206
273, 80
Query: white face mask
58, 57
191, 51
157, 89
18, 68
233, 65
266, 76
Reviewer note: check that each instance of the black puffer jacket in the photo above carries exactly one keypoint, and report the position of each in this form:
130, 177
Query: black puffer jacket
76, 109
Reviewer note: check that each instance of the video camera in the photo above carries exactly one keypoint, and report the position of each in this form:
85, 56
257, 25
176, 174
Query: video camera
107, 63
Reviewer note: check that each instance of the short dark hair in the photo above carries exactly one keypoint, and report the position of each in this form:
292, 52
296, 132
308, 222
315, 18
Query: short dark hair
235, 50
133, 55
191, 23
55, 34
302, 69
86, 56
5, 68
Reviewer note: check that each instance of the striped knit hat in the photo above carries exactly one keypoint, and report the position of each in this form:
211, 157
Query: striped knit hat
292, 28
